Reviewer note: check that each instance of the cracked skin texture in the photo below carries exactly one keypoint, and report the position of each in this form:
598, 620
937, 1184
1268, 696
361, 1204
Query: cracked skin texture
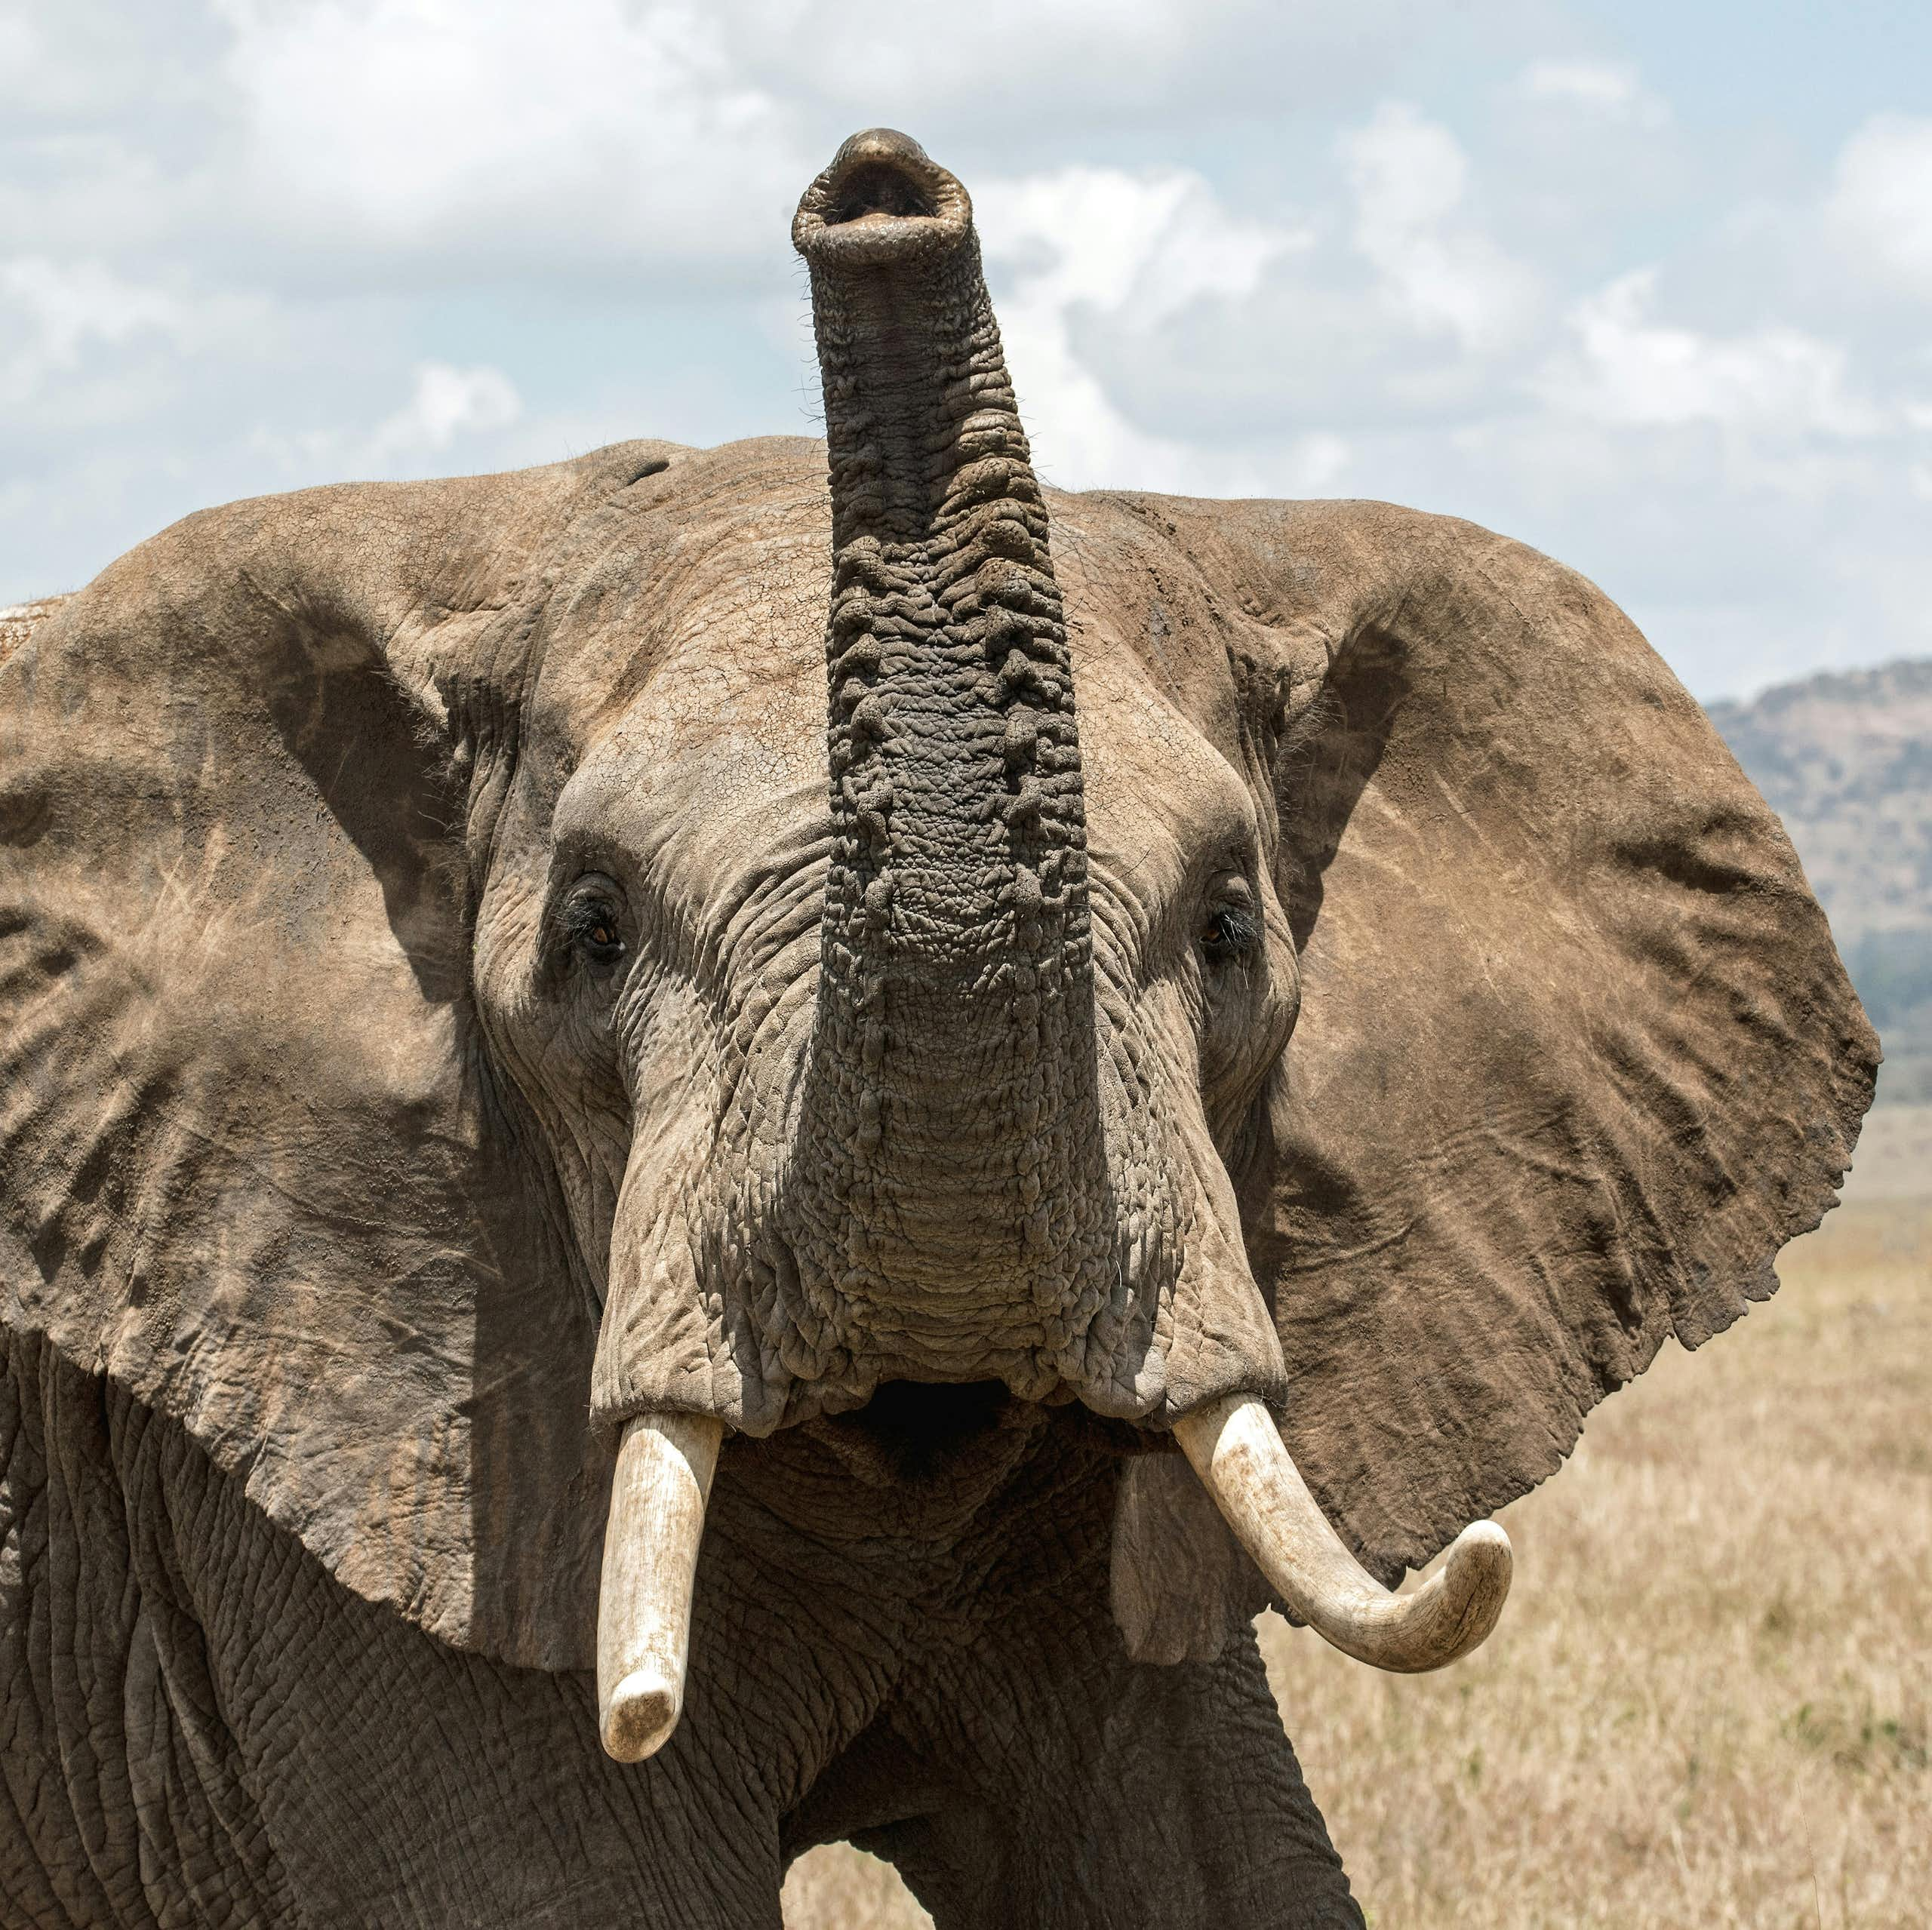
347, 1202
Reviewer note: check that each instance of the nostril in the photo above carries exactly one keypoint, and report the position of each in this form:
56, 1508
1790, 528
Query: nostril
883, 202
876, 190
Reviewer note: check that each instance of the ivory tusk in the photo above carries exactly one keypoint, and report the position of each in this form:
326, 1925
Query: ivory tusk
1244, 1464
665, 1463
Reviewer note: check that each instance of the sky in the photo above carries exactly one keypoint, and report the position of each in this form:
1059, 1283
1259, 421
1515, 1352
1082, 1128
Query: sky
1648, 286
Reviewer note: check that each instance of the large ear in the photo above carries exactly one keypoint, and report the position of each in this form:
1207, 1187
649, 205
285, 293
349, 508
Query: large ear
1576, 1056
251, 1166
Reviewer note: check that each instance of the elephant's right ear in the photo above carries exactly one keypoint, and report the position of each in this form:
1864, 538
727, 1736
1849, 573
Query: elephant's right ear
1575, 1054
251, 1166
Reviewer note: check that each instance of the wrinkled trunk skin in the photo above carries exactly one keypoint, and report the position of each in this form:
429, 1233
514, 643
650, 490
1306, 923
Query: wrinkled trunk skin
949, 1209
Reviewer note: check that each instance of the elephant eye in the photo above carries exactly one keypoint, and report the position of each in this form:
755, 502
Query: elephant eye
1231, 931
591, 924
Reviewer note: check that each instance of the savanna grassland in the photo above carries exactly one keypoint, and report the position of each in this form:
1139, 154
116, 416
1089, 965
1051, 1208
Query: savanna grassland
1710, 1699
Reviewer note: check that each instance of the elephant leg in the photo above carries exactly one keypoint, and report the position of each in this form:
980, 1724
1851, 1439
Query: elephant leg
201, 1726
124, 1802
1116, 1794
404, 1782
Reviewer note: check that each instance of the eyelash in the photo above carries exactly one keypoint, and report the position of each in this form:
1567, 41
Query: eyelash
583, 920
1232, 932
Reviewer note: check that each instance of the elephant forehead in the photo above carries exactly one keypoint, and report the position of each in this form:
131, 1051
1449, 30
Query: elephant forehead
1163, 802
717, 766
706, 609
1139, 605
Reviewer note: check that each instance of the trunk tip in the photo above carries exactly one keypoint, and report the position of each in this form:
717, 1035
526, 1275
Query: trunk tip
883, 201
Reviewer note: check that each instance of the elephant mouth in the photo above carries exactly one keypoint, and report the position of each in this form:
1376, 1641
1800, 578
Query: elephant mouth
912, 1430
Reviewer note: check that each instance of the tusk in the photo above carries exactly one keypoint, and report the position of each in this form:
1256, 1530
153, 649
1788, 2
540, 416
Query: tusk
1245, 1464
644, 1610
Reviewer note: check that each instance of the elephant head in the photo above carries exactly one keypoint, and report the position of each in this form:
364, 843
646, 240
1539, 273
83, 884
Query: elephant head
511, 979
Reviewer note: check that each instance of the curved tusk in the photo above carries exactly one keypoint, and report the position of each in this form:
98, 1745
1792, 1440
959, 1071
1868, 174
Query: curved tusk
1245, 1464
665, 1463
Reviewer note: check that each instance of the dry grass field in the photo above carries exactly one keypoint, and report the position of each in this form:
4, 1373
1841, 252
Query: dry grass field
1710, 1699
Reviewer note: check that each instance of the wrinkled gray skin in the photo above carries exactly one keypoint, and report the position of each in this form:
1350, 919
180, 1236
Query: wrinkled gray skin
457, 991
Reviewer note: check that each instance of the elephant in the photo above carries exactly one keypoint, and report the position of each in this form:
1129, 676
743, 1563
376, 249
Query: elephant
656, 1207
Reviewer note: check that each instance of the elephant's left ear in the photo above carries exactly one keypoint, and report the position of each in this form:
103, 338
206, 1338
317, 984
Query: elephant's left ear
249, 1166
1576, 1056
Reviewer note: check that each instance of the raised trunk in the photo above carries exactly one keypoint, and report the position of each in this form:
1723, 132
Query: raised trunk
957, 1178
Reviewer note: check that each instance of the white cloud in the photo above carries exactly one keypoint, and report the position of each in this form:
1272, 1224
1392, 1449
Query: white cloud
1008, 70
66, 305
1411, 180
432, 141
82, 344
19, 57
1880, 207
1745, 488
1141, 247
447, 407
1630, 369
489, 128
1159, 239
447, 403
1608, 88
912, 54
1393, 301
250, 243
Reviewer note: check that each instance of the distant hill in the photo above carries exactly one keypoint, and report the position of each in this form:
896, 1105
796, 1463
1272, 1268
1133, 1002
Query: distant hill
1846, 761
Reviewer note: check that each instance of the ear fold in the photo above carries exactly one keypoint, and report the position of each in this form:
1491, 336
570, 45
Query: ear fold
1576, 1056
249, 1164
